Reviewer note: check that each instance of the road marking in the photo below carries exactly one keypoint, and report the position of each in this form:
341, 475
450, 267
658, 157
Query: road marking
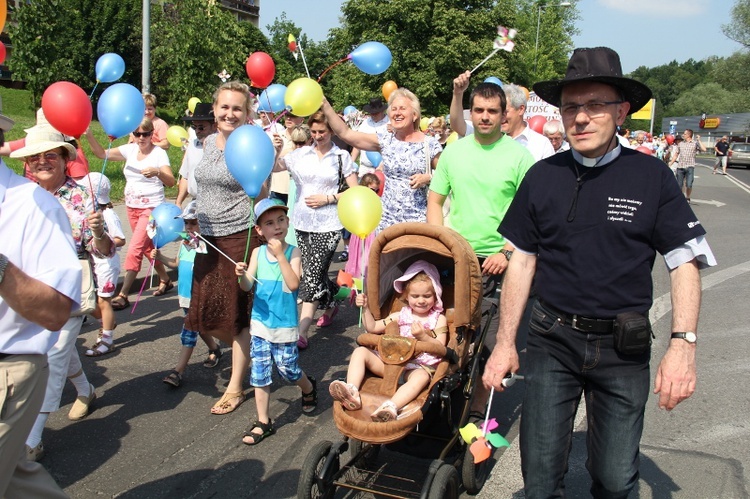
714, 202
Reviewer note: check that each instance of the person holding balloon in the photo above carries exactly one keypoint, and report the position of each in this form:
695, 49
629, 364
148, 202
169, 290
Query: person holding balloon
218, 306
409, 156
46, 154
315, 171
147, 171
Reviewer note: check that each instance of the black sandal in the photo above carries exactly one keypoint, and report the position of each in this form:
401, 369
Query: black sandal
210, 363
167, 286
310, 400
266, 428
120, 302
173, 378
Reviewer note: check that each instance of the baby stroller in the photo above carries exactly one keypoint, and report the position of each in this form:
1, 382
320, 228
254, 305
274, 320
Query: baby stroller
427, 428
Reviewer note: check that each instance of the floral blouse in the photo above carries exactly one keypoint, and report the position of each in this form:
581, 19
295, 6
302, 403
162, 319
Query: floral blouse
78, 203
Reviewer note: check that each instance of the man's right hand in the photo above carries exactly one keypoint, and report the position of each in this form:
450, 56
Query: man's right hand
495, 264
461, 82
504, 360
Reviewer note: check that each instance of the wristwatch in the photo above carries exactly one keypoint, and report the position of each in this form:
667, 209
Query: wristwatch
3, 265
690, 337
507, 253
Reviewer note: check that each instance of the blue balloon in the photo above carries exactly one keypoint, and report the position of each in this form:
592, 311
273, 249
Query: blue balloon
110, 67
120, 109
374, 157
371, 57
249, 154
168, 227
272, 99
349, 110
494, 79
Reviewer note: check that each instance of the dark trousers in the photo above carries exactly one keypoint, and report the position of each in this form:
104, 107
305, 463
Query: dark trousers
561, 364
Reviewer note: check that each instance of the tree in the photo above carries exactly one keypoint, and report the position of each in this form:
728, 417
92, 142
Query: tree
62, 40
739, 27
196, 41
432, 41
709, 98
288, 68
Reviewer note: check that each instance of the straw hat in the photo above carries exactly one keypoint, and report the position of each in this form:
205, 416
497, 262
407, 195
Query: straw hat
43, 138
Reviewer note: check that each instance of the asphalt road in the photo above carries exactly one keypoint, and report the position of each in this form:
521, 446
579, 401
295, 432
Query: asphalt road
145, 439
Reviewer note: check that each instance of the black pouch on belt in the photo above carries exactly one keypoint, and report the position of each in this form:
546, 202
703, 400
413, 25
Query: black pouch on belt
632, 333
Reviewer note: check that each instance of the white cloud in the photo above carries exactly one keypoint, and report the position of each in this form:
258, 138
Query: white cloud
676, 8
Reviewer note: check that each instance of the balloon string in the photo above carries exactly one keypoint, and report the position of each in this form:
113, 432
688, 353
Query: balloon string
331, 67
138, 298
276, 119
487, 412
91, 96
299, 46
485, 60
101, 179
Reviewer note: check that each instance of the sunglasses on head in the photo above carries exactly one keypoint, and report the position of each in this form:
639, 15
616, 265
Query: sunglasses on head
142, 134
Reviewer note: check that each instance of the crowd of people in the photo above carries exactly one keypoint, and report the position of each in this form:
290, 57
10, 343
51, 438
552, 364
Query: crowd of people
509, 197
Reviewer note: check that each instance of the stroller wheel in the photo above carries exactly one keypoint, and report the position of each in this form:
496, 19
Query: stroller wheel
445, 483
474, 475
310, 486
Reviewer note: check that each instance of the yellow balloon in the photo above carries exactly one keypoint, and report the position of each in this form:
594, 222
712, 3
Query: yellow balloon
360, 210
451, 138
176, 135
192, 103
424, 123
388, 88
303, 96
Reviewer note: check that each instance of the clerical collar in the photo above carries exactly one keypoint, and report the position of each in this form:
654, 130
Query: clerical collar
600, 160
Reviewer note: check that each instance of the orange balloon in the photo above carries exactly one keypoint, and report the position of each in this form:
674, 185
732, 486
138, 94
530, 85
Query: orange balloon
526, 91
3, 13
388, 88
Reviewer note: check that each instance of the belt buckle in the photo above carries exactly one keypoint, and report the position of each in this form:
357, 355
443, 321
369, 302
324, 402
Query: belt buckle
574, 323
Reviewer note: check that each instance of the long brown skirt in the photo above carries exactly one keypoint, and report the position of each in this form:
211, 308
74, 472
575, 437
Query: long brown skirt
217, 301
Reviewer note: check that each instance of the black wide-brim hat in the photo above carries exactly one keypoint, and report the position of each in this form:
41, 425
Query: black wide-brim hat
375, 106
599, 64
203, 112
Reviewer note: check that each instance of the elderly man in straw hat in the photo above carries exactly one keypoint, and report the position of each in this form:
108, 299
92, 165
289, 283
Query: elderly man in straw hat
587, 224
40, 283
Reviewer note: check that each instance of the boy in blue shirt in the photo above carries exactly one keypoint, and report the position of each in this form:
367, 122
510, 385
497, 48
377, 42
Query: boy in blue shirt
276, 267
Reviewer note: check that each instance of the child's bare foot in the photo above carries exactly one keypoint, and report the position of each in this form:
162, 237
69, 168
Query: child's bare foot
347, 394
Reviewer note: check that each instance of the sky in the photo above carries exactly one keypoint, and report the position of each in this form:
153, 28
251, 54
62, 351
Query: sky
644, 32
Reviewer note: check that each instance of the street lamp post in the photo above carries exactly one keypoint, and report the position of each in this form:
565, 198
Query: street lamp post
538, 24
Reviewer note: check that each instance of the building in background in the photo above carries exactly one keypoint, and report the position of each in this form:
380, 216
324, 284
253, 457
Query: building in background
711, 127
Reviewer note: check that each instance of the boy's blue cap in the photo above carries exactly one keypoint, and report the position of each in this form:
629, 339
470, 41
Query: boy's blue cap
266, 204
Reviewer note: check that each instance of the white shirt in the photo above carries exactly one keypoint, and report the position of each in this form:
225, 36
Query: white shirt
35, 236
538, 145
193, 156
317, 176
369, 126
142, 192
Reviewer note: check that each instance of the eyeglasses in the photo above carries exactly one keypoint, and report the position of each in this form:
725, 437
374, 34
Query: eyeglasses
49, 157
375, 189
142, 134
198, 128
593, 109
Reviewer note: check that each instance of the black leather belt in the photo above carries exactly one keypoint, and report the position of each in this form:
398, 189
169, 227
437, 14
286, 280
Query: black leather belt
581, 323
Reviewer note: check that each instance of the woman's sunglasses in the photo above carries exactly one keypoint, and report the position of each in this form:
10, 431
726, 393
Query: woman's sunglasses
142, 134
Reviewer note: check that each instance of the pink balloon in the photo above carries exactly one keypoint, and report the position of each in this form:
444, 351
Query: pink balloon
537, 122
670, 139
644, 150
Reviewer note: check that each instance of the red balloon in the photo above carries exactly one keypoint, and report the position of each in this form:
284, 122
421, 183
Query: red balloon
260, 69
644, 150
381, 176
3, 53
67, 108
537, 122
670, 139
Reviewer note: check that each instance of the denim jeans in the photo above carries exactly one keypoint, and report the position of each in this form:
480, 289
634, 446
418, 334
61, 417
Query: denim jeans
685, 175
562, 363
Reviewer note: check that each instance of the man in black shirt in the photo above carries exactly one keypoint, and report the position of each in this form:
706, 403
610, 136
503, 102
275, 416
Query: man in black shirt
722, 150
587, 224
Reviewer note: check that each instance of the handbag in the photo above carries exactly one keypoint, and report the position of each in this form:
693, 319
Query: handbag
342, 180
88, 290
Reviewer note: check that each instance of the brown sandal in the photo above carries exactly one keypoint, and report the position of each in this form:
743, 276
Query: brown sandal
164, 287
225, 404
120, 302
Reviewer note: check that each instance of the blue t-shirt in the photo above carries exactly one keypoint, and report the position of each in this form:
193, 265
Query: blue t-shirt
186, 259
599, 264
274, 315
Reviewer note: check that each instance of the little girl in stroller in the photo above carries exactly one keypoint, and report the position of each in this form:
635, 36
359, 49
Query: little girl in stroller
421, 318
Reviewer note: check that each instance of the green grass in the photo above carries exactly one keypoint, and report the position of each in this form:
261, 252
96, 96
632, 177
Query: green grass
17, 105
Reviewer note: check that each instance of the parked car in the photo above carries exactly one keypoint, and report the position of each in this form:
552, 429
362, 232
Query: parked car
739, 154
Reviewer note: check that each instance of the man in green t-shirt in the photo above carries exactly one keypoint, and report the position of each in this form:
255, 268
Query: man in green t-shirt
482, 173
